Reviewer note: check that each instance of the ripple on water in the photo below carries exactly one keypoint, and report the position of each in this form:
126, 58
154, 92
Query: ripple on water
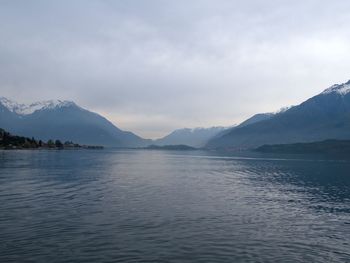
148, 206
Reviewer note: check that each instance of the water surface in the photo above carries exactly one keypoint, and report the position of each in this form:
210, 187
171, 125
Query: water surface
161, 206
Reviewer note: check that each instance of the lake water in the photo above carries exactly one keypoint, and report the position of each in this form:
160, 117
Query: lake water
162, 206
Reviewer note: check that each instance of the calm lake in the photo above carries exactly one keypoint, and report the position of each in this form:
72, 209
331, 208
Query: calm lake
162, 206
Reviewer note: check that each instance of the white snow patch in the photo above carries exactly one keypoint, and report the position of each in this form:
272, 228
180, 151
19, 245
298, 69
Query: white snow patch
341, 89
282, 110
26, 109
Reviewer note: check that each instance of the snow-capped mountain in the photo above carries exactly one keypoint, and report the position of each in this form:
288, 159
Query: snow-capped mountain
26, 109
341, 89
63, 120
324, 116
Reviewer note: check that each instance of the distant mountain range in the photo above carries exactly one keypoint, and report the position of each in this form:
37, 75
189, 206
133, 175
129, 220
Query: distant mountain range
199, 137
196, 137
66, 121
325, 116
322, 117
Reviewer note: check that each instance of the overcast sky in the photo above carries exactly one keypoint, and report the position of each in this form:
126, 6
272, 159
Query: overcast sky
152, 66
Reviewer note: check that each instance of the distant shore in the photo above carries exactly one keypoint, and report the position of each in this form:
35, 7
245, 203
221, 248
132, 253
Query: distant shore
87, 147
323, 147
180, 147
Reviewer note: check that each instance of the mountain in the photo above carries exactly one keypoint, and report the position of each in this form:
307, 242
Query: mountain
262, 117
196, 137
63, 120
324, 116
256, 118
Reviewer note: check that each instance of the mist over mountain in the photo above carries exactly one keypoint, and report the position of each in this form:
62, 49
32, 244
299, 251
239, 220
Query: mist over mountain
325, 116
196, 137
66, 121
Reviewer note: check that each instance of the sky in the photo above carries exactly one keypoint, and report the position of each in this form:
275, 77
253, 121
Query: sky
152, 66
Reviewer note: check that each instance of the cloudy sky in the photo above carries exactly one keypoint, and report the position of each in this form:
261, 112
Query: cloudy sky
152, 66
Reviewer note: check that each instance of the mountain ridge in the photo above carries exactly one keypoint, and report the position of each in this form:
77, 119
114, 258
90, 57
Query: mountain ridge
64, 120
324, 116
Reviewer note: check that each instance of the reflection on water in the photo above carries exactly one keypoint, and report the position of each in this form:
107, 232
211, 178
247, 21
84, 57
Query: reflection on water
149, 206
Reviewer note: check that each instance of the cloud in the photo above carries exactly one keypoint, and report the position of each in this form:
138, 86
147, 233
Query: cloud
153, 66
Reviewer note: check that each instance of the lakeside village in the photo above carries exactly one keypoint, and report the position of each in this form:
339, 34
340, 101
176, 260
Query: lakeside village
9, 141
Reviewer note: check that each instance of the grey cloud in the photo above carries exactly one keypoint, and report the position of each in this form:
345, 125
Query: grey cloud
173, 63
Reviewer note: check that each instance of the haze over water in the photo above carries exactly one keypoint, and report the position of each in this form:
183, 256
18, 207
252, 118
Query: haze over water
159, 206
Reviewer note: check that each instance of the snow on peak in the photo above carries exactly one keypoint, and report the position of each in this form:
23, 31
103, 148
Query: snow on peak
341, 89
281, 110
49, 104
26, 109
